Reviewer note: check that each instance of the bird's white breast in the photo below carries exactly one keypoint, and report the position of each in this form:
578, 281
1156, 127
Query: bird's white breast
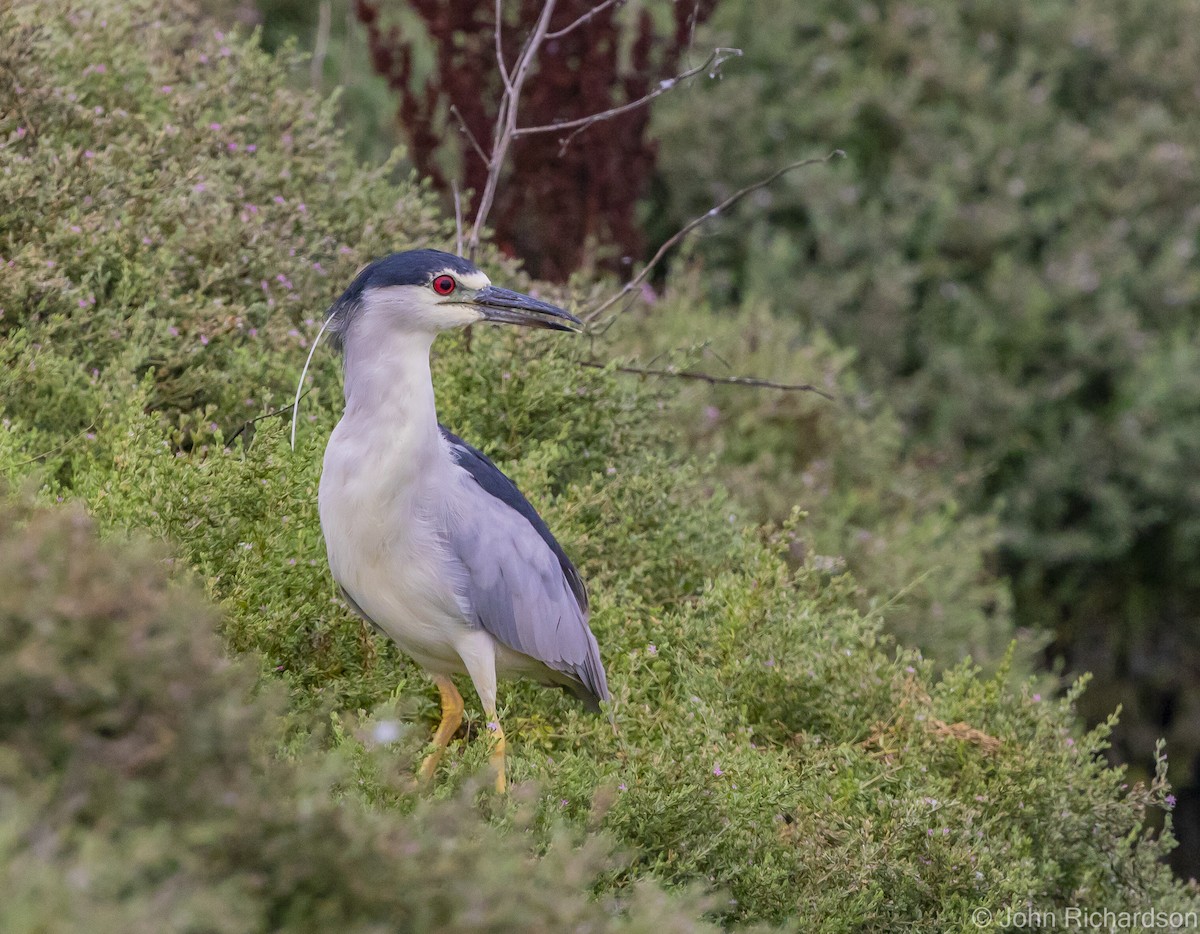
383, 489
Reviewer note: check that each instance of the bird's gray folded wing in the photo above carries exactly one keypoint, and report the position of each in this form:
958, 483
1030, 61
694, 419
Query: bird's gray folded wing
516, 585
493, 481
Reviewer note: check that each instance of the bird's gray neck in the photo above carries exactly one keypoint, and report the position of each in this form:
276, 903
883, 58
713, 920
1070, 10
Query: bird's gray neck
388, 386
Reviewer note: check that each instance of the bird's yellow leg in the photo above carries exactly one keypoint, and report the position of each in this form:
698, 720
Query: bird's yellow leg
452, 712
497, 751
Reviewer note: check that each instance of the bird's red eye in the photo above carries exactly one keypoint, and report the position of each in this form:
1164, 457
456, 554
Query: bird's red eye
444, 285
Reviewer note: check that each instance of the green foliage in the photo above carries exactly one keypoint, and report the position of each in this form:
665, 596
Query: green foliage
175, 208
772, 743
139, 792
892, 521
1010, 246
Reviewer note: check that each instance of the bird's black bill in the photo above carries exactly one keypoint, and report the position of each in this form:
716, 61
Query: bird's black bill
508, 307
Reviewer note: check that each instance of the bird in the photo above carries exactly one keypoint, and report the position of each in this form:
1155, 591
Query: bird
427, 540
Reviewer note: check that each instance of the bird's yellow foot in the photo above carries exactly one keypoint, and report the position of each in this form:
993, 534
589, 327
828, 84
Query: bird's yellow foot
452, 711
497, 758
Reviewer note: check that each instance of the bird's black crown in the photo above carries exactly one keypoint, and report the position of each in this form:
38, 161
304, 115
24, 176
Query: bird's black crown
412, 267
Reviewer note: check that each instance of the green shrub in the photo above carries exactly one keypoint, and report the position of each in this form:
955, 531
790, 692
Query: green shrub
1010, 245
175, 207
772, 745
140, 793
924, 562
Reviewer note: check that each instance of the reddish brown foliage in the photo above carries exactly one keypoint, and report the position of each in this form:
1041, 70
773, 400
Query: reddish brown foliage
551, 206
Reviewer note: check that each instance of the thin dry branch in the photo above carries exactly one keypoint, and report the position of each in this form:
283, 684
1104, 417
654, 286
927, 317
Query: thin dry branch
462, 123
712, 380
71, 440
712, 65
499, 34
246, 424
696, 222
506, 130
506, 117
458, 241
558, 34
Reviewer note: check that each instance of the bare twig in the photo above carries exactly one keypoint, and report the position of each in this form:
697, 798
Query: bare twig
696, 222
692, 20
71, 440
504, 76
505, 129
321, 48
751, 381
287, 408
712, 65
506, 119
558, 34
458, 243
462, 123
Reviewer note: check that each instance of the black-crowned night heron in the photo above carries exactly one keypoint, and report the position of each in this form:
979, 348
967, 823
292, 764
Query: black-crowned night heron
428, 540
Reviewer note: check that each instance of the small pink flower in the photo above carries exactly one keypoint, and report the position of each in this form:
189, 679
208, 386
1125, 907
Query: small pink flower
717, 770
166, 89
88, 154
199, 186
214, 126
250, 147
